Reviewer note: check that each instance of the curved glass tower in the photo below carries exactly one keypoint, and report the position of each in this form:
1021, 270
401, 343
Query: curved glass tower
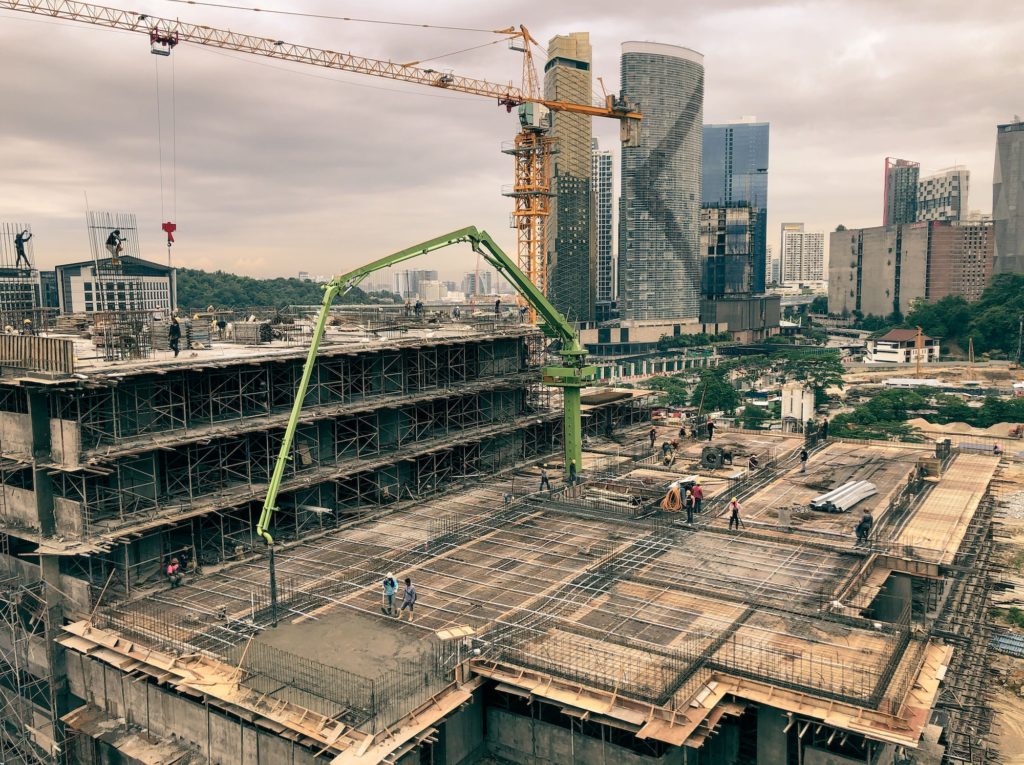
659, 210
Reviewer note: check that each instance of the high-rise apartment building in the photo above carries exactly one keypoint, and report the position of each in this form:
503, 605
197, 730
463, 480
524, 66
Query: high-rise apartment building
659, 210
407, 282
1008, 199
943, 196
801, 255
570, 247
735, 172
899, 204
601, 183
477, 283
884, 269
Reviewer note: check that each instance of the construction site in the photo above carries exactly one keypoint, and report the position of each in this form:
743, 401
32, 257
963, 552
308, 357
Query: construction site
358, 536
579, 623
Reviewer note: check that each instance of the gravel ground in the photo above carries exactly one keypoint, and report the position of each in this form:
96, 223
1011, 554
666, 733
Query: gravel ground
1012, 505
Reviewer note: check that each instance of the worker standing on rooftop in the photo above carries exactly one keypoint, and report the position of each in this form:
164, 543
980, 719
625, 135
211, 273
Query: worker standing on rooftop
803, 460
409, 600
864, 527
734, 514
572, 472
19, 248
174, 335
497, 307
688, 502
390, 585
711, 429
698, 497
545, 479
653, 435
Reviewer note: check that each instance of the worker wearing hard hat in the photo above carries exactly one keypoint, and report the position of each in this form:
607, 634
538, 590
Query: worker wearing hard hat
688, 502
734, 514
545, 479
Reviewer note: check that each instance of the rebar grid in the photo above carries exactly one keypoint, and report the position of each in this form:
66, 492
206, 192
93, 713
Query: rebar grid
530, 550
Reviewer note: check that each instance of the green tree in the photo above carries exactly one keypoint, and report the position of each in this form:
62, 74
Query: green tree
673, 387
715, 391
199, 289
754, 417
820, 304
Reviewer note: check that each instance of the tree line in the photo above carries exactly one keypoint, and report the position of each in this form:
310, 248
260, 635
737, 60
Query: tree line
198, 289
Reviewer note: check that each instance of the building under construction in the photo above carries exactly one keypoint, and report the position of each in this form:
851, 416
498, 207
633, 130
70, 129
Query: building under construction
588, 623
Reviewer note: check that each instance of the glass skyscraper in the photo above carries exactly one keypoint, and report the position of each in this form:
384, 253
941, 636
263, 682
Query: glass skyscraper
1008, 199
659, 209
735, 174
601, 183
570, 248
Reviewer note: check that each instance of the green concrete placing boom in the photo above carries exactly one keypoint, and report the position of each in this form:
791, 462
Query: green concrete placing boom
572, 376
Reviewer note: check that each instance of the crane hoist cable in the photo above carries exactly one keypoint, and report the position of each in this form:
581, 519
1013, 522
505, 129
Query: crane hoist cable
167, 225
230, 7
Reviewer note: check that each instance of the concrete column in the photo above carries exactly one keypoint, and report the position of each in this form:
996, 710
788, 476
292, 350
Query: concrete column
39, 419
772, 739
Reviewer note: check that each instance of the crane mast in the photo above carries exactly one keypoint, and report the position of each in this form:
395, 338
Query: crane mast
531, 150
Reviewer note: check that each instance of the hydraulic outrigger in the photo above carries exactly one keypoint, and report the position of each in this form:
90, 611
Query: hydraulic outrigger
572, 376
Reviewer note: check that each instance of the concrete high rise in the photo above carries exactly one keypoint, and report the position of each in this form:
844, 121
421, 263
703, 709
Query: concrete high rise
1008, 199
735, 172
601, 183
801, 255
899, 201
570, 247
659, 210
883, 269
943, 196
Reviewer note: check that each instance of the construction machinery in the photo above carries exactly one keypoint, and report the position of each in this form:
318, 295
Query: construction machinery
531, 150
571, 376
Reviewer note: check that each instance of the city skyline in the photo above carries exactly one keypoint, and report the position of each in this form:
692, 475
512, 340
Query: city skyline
252, 197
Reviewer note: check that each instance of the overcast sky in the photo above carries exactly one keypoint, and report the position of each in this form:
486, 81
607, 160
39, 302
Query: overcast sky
282, 167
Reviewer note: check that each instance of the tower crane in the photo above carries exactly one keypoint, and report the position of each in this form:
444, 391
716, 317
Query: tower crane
531, 150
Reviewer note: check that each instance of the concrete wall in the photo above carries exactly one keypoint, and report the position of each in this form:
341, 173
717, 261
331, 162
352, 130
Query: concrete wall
772, 739
16, 434
65, 442
19, 508
68, 518
165, 714
462, 736
531, 742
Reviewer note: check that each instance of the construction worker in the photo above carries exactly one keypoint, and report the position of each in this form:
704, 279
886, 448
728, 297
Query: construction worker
409, 600
497, 307
545, 479
174, 335
752, 463
823, 431
803, 460
653, 435
688, 504
19, 248
682, 432
698, 497
863, 529
408, 308
456, 313
665, 448
572, 472
27, 328
711, 429
390, 585
734, 514
115, 245
173, 573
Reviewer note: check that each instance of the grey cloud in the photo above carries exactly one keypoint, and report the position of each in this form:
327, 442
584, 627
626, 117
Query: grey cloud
282, 168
